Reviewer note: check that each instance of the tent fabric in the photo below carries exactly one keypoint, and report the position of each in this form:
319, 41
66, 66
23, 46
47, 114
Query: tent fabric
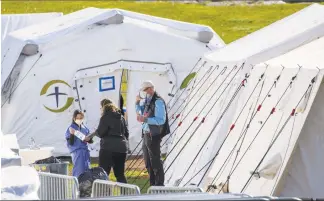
304, 174
298, 30
45, 32
300, 172
87, 75
13, 22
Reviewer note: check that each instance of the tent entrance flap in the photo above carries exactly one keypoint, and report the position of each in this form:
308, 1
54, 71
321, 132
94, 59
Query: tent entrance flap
90, 91
104, 81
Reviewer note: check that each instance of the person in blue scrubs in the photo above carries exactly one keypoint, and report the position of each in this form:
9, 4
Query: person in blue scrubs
79, 149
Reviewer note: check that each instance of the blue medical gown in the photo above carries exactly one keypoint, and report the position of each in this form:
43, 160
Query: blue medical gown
79, 150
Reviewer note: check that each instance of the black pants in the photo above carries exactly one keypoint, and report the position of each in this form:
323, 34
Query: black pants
152, 157
108, 159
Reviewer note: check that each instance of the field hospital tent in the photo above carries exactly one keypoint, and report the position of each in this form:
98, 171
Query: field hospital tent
13, 22
215, 103
281, 152
74, 61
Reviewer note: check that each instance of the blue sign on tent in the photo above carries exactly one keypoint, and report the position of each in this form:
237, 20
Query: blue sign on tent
107, 83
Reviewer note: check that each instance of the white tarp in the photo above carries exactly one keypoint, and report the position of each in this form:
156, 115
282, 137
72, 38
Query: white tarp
19, 183
13, 22
9, 141
274, 40
9, 158
71, 61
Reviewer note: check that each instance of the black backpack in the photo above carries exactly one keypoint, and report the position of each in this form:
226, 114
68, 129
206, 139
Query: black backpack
87, 178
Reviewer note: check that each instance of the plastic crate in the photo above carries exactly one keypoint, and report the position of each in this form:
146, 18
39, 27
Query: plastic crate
56, 168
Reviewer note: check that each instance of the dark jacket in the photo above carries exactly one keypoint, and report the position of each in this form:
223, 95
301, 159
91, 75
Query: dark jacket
149, 108
113, 132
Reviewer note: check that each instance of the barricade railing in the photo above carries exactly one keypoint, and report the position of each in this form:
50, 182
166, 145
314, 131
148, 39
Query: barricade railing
171, 189
279, 198
103, 188
177, 196
57, 187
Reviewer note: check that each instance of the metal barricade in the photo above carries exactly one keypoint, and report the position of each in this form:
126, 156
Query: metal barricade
57, 187
103, 188
167, 190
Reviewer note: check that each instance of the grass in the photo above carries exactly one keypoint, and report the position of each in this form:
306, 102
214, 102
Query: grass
230, 22
136, 177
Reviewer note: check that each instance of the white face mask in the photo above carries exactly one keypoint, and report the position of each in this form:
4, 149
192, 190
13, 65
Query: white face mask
148, 95
79, 121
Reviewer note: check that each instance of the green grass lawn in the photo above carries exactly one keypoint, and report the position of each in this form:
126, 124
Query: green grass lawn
230, 22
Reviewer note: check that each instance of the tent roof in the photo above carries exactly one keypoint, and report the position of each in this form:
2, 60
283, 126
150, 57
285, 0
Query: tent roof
299, 27
13, 22
27, 40
45, 32
308, 56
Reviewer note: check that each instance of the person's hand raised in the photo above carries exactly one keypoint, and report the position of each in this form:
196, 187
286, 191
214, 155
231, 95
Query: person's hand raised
140, 118
87, 139
138, 99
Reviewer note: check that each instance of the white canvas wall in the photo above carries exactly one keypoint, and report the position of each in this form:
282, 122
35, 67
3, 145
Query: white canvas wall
304, 175
267, 130
298, 132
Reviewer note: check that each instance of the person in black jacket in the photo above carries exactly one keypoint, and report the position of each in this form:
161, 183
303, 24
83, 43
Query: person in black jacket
113, 132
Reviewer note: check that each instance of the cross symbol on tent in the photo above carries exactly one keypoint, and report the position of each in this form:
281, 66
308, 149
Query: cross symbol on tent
57, 94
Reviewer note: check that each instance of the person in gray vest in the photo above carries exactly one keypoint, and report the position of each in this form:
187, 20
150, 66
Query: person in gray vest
154, 118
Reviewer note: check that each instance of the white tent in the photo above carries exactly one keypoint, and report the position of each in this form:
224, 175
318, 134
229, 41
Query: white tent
293, 166
13, 22
216, 101
72, 62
